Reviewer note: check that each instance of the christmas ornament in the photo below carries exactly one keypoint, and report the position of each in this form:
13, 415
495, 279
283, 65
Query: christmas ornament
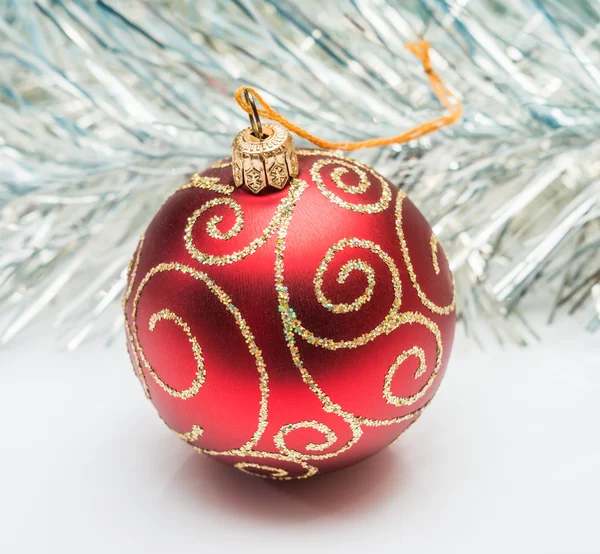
295, 331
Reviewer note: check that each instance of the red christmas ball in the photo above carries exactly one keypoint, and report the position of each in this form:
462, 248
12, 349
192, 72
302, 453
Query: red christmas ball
294, 332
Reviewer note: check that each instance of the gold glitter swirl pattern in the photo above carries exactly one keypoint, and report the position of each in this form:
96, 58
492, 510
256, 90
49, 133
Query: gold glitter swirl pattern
192, 435
131, 274
362, 170
433, 243
330, 440
211, 227
412, 318
292, 326
221, 164
344, 273
317, 152
132, 271
198, 381
361, 188
138, 366
240, 322
246, 452
285, 212
415, 351
387, 325
212, 184
442, 310
400, 419
274, 472
286, 204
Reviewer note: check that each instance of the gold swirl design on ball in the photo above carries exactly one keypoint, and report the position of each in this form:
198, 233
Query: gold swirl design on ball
212, 184
273, 472
220, 164
294, 191
442, 310
291, 327
344, 273
391, 398
248, 452
328, 406
247, 334
251, 453
330, 440
433, 244
132, 271
211, 226
139, 373
342, 167
412, 318
385, 326
317, 152
193, 435
131, 275
192, 390
394, 319
363, 183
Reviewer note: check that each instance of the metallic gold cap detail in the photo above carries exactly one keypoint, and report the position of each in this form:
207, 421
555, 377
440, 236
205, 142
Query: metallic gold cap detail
270, 161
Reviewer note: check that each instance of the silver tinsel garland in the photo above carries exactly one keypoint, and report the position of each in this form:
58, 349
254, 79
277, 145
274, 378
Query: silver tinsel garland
106, 107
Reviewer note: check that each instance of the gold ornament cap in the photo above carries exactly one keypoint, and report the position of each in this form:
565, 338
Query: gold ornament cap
263, 155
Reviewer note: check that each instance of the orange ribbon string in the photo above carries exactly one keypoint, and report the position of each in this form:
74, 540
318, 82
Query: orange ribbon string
445, 96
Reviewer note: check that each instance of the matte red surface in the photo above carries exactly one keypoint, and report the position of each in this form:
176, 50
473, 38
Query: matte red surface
227, 405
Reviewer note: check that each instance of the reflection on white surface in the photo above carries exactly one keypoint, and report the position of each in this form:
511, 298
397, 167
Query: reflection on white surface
505, 459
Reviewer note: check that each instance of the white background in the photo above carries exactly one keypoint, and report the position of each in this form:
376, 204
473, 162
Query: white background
506, 459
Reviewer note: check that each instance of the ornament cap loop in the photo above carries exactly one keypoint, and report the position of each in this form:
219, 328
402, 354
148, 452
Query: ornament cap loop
255, 122
270, 161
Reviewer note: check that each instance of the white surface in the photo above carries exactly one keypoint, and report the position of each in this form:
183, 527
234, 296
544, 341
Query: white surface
506, 459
